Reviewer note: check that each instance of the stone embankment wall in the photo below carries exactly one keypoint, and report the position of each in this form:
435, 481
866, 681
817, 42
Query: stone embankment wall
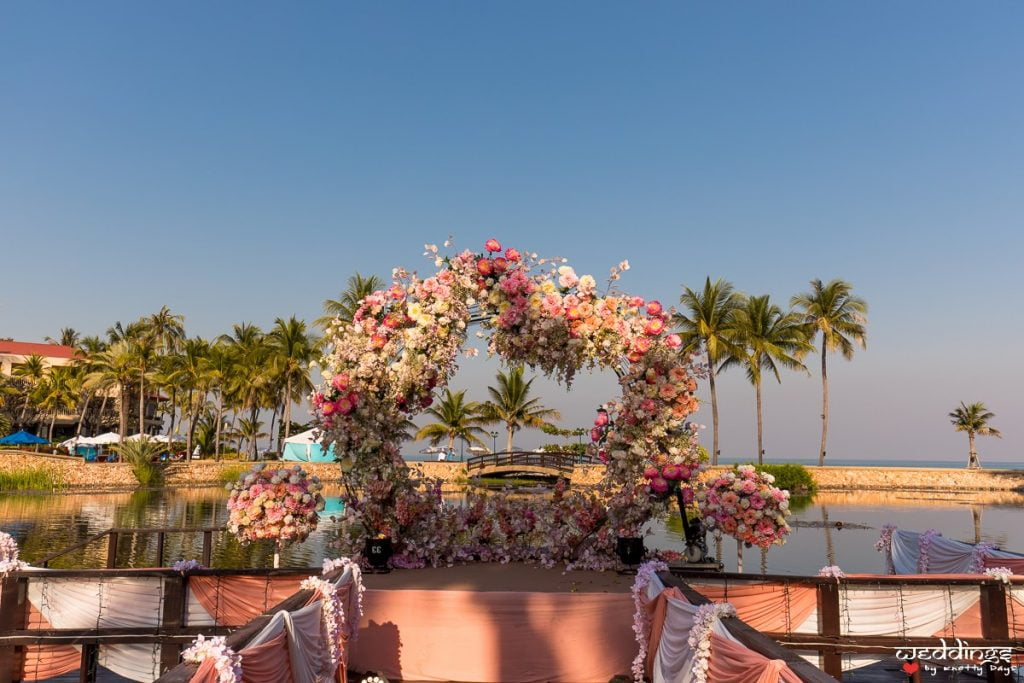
77, 474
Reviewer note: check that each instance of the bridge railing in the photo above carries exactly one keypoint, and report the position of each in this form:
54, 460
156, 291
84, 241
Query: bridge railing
561, 462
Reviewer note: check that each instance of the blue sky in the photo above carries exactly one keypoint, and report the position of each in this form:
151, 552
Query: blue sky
238, 161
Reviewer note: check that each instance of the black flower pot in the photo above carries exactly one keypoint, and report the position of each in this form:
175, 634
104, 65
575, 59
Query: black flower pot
630, 549
378, 551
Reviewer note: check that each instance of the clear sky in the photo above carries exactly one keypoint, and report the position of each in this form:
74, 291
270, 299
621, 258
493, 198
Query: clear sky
238, 161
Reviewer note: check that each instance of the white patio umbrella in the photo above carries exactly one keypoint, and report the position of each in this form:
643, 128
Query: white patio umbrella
104, 439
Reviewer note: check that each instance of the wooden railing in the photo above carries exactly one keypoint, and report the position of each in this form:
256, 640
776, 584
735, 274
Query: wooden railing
114, 535
831, 643
558, 462
171, 635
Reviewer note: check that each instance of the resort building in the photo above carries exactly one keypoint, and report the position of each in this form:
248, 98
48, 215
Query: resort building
14, 353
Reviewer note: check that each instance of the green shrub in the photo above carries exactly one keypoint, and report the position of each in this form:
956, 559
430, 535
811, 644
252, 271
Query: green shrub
232, 473
32, 478
144, 458
794, 478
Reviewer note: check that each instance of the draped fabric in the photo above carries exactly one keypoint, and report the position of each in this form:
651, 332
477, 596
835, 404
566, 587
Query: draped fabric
454, 635
267, 661
670, 656
47, 661
235, 600
945, 555
767, 606
730, 662
1014, 564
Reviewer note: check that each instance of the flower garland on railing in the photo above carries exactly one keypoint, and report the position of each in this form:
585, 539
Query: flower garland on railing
332, 616
227, 662
700, 636
641, 622
9, 561
1004, 574
351, 620
978, 555
832, 571
924, 547
184, 566
884, 545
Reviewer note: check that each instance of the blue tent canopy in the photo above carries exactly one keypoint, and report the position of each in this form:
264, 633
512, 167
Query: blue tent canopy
21, 438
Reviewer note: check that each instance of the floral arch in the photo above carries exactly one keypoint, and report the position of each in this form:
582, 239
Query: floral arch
381, 368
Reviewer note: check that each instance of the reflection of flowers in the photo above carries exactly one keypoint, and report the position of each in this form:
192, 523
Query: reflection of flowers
227, 662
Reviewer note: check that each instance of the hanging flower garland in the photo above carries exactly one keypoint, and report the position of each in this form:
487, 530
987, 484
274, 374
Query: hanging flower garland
924, 546
9, 561
332, 616
641, 622
352, 620
745, 505
884, 545
274, 504
227, 662
700, 636
978, 555
381, 369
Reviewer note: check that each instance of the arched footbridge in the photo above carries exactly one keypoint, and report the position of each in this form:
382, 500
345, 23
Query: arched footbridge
551, 464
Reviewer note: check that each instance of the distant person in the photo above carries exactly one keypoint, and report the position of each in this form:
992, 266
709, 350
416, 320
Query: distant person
442, 456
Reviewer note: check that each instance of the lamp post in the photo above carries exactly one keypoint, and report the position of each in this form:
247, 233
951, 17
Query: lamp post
494, 442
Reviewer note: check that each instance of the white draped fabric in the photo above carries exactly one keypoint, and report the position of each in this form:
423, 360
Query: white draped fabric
945, 555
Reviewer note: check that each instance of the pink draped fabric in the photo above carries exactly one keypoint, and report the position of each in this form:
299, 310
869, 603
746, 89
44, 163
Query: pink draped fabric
47, 661
267, 662
657, 609
235, 600
512, 637
1014, 564
764, 605
207, 673
733, 663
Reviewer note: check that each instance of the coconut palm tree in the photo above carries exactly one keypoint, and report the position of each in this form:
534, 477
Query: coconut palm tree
144, 351
115, 367
973, 419
88, 347
249, 430
190, 376
292, 348
764, 339
252, 381
218, 366
32, 370
841, 318
345, 306
57, 393
705, 324
456, 419
511, 403
167, 330
67, 337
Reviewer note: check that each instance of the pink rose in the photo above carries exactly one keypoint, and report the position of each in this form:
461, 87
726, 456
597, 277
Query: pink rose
654, 308
601, 420
673, 341
659, 485
654, 327
492, 245
484, 267
340, 382
513, 254
500, 265
650, 472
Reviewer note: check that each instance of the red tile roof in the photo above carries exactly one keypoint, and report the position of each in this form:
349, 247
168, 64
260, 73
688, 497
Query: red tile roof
30, 348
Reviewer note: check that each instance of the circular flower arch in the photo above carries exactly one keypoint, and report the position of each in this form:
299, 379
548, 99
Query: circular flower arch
381, 368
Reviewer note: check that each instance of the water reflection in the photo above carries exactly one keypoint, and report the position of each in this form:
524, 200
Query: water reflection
44, 523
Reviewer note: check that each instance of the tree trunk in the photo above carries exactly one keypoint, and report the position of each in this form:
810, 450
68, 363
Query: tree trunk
830, 551
511, 431
192, 427
760, 424
287, 412
174, 410
972, 456
714, 410
53, 418
188, 436
81, 417
254, 413
270, 434
824, 403
142, 401
739, 556
976, 518
123, 408
103, 409
220, 419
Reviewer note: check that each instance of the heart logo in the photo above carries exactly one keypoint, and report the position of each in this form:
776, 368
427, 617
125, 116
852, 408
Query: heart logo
911, 667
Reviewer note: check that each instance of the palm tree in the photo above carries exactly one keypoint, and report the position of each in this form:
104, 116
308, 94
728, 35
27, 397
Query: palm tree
249, 430
511, 403
114, 367
706, 324
88, 347
293, 349
252, 376
57, 393
456, 419
190, 375
32, 370
144, 351
67, 337
973, 419
765, 338
345, 306
217, 368
841, 318
167, 330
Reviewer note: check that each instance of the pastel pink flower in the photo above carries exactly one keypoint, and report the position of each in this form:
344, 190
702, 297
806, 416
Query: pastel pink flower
513, 254
659, 485
673, 341
492, 245
654, 327
340, 382
484, 267
654, 308
650, 472
601, 420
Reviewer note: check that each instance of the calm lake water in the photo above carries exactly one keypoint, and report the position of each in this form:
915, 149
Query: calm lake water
44, 523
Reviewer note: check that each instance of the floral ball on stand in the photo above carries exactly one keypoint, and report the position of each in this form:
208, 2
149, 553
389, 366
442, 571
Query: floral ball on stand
280, 505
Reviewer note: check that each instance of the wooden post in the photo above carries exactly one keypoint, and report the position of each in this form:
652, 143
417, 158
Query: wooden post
173, 617
90, 662
829, 626
160, 549
994, 623
207, 547
111, 552
13, 617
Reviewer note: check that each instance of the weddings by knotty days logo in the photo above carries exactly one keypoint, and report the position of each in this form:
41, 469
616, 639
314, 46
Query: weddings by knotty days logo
966, 658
